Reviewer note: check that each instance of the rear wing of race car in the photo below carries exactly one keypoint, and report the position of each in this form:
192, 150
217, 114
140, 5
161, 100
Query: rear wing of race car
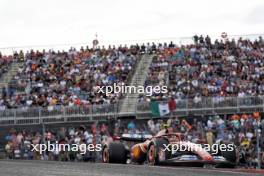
134, 137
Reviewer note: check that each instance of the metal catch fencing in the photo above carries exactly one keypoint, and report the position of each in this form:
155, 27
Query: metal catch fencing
204, 106
210, 105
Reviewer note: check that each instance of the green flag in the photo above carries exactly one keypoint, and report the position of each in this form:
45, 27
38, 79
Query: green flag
154, 106
159, 109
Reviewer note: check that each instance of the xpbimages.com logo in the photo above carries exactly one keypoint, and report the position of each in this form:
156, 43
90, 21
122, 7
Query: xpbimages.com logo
123, 89
56, 147
191, 147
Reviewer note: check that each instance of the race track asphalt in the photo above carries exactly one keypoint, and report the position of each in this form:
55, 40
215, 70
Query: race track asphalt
50, 168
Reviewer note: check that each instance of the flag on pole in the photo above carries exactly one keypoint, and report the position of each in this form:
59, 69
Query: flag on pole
159, 109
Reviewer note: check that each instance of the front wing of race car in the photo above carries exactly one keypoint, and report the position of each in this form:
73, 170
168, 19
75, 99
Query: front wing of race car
195, 161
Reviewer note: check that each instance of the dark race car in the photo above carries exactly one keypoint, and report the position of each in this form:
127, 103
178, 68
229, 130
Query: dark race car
166, 148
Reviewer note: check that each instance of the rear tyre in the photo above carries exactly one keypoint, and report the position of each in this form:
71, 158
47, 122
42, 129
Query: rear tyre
115, 152
157, 150
230, 156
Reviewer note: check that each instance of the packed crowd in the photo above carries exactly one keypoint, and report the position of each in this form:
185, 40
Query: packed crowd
20, 143
204, 69
70, 78
239, 129
209, 69
5, 62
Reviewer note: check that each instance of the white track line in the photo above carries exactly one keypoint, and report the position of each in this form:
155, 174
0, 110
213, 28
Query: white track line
162, 167
194, 169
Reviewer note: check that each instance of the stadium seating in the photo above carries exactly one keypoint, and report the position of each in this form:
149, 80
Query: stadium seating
70, 78
195, 71
204, 69
5, 62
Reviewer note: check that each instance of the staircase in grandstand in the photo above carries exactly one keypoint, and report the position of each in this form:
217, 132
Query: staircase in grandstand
6, 78
129, 104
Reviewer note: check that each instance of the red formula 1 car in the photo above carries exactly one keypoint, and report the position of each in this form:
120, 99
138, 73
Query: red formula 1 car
167, 148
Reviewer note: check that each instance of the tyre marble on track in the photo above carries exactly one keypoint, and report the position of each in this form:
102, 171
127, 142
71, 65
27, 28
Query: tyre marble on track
49, 168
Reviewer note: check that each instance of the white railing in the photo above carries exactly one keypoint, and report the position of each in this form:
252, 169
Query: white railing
213, 105
209, 105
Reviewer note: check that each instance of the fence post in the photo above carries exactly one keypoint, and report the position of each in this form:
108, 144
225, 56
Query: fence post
262, 97
136, 110
237, 104
15, 117
92, 112
39, 115
212, 104
187, 106
186, 103
64, 113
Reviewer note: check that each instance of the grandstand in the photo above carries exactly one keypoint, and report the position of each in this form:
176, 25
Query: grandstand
203, 78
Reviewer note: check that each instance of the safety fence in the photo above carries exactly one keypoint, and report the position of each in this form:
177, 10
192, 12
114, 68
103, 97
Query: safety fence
184, 107
177, 40
211, 105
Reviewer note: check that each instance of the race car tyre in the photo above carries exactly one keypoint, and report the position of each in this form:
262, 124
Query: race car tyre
115, 152
230, 156
156, 149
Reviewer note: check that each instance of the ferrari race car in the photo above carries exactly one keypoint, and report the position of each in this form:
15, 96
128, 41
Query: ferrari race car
166, 148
